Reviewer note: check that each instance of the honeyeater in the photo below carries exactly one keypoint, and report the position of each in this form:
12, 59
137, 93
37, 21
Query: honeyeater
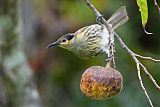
92, 40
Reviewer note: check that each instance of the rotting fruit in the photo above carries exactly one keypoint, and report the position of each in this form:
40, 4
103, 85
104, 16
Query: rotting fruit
101, 83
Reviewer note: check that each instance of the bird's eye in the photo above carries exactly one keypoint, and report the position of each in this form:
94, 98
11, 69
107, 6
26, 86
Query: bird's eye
64, 40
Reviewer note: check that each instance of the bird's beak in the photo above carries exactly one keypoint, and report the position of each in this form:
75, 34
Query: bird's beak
53, 44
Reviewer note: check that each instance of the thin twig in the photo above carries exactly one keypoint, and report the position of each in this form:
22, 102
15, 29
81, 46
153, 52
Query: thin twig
156, 4
134, 56
150, 76
137, 61
96, 12
113, 55
141, 82
112, 48
138, 69
147, 58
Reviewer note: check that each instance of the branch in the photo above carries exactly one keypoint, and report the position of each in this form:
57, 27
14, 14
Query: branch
141, 82
150, 76
98, 15
138, 69
134, 56
137, 61
156, 4
147, 58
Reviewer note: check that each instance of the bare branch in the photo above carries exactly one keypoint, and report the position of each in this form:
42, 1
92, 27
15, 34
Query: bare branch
141, 82
137, 61
156, 4
138, 69
150, 76
112, 49
134, 56
96, 12
113, 54
147, 58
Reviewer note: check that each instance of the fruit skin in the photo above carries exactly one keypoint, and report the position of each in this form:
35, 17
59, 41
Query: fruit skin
101, 83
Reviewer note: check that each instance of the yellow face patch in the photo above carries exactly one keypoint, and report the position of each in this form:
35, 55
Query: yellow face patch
64, 44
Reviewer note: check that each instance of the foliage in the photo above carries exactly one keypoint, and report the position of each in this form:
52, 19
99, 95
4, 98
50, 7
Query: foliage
143, 8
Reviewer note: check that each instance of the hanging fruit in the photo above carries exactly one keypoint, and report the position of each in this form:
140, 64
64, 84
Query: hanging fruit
101, 83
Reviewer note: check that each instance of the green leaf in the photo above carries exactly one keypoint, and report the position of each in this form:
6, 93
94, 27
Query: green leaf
143, 8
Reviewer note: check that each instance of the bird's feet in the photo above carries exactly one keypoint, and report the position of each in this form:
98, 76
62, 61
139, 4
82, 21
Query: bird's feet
99, 19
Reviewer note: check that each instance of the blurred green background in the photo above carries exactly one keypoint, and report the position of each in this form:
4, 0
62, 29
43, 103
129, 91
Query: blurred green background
57, 72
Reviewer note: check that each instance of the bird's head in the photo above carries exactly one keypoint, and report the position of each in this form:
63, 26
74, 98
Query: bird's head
65, 41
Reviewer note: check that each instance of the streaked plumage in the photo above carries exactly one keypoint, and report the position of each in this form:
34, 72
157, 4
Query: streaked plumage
92, 40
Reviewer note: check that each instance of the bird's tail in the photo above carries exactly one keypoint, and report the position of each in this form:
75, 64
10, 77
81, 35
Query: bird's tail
118, 18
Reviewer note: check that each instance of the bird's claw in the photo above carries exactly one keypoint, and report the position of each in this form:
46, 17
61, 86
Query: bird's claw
99, 19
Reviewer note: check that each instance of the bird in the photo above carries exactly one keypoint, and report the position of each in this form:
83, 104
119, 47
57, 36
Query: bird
92, 40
